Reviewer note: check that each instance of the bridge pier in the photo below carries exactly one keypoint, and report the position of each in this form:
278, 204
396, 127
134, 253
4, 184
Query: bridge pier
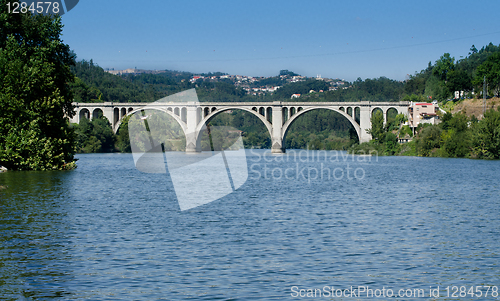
365, 123
192, 140
277, 146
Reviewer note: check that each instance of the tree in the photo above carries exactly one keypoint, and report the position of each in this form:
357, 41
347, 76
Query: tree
473, 50
491, 70
35, 96
459, 80
377, 130
443, 66
122, 137
95, 136
428, 139
486, 136
286, 72
391, 144
455, 137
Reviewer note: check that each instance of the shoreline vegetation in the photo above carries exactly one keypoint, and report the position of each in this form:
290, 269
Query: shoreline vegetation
457, 136
35, 95
40, 78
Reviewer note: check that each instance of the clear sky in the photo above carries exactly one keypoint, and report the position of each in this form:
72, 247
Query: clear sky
337, 39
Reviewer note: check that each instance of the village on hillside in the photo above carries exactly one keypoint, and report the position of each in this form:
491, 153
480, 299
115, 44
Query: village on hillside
252, 85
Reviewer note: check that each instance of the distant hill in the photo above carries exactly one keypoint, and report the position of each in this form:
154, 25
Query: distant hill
438, 81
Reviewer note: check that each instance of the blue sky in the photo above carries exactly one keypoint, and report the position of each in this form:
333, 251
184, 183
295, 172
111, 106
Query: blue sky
337, 39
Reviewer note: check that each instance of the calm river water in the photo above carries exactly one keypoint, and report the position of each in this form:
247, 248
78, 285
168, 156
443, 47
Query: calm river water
107, 231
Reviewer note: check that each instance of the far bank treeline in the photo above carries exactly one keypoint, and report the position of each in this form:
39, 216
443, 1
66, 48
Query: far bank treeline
315, 130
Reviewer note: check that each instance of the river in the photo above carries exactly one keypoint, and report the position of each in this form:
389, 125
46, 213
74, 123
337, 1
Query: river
333, 224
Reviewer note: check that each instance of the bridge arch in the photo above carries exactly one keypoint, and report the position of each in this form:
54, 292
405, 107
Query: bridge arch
375, 109
389, 112
98, 111
169, 112
84, 113
350, 111
116, 115
206, 119
286, 125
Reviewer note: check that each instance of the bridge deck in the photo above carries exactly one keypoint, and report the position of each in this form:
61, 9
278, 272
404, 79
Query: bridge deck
246, 104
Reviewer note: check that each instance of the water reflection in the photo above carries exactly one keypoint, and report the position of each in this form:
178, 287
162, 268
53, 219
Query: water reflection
106, 231
34, 235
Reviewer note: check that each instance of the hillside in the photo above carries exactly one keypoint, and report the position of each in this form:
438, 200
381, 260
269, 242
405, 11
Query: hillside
438, 81
475, 106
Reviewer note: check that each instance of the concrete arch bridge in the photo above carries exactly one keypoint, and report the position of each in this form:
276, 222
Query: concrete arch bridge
276, 116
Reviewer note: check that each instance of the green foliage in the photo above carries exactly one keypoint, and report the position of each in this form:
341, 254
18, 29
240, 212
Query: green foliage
459, 80
391, 144
377, 131
34, 93
379, 89
255, 134
220, 92
320, 129
414, 98
445, 121
491, 70
408, 149
444, 66
95, 136
364, 148
428, 139
30, 149
455, 138
270, 81
317, 129
400, 119
486, 136
162, 127
302, 87
286, 72
93, 84
446, 76
122, 137
406, 130
84, 93
436, 89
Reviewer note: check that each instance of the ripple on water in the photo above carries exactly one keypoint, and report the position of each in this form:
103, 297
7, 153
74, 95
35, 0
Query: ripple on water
106, 231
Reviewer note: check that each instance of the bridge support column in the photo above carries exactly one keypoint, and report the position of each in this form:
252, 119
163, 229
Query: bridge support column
277, 146
107, 111
76, 117
365, 123
192, 141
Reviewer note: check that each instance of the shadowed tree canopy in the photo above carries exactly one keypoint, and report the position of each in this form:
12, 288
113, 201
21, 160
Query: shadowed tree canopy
491, 70
35, 95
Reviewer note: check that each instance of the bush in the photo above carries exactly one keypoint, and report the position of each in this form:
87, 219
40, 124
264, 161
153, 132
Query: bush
428, 139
